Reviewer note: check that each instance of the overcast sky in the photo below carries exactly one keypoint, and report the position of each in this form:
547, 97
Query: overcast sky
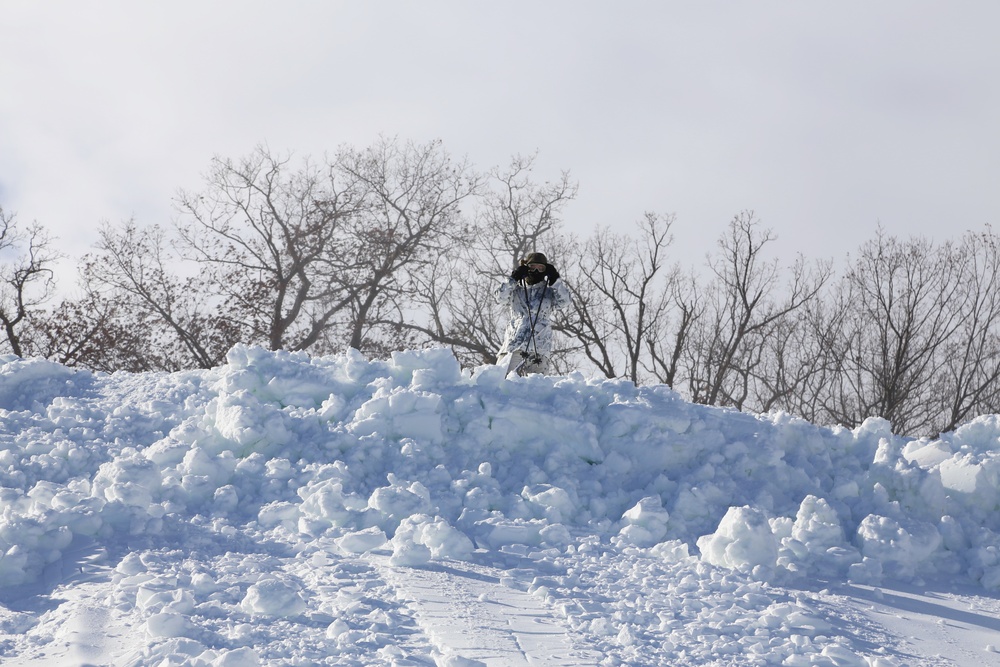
826, 118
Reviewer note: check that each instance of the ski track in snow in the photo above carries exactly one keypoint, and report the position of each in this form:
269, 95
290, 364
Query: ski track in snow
477, 613
488, 611
74, 625
933, 628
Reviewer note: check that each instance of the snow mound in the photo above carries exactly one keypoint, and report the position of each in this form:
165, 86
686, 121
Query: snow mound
415, 456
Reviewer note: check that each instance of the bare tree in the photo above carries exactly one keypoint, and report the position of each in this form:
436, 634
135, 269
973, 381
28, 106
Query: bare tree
268, 240
902, 303
102, 334
969, 384
136, 270
398, 245
26, 277
745, 304
410, 196
670, 336
793, 364
621, 299
292, 256
520, 214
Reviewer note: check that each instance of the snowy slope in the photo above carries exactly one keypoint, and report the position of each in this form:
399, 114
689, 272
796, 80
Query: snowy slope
288, 510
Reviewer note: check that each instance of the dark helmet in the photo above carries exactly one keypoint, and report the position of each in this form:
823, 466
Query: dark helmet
535, 258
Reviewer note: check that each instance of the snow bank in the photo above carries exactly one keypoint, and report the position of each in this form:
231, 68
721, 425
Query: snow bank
361, 450
419, 457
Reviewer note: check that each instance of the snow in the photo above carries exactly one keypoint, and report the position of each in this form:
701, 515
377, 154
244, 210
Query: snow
284, 509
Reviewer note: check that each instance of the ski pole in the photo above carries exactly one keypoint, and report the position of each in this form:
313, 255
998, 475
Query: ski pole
538, 311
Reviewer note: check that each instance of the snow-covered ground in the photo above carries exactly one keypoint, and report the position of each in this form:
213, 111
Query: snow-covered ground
288, 510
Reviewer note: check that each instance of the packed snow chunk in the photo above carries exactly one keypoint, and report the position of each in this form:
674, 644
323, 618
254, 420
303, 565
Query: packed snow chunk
362, 541
175, 651
130, 480
241, 657
27, 383
441, 538
456, 660
400, 412
874, 428
14, 567
279, 513
168, 624
501, 532
815, 542
963, 473
332, 408
445, 541
246, 425
216, 468
203, 583
274, 596
170, 451
15, 622
631, 415
982, 434
889, 452
843, 656
645, 525
743, 541
202, 475
795, 617
225, 499
150, 598
406, 553
337, 629
927, 454
990, 580
428, 368
325, 505
549, 502
671, 551
396, 502
420, 538
846, 489
524, 421
817, 524
908, 549
282, 378
699, 504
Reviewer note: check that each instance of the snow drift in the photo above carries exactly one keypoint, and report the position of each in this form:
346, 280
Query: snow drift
281, 458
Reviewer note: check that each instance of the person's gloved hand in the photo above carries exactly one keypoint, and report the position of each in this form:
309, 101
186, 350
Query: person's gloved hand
520, 273
551, 274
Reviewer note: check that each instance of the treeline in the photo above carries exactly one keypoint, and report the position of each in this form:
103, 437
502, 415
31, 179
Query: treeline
400, 246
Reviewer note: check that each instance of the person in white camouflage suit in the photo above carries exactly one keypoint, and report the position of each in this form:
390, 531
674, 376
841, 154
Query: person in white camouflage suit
532, 293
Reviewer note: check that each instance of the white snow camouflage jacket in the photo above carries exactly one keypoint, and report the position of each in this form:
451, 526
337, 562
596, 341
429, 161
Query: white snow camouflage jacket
527, 304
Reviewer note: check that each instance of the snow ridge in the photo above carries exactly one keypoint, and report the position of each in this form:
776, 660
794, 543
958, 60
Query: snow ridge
287, 509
